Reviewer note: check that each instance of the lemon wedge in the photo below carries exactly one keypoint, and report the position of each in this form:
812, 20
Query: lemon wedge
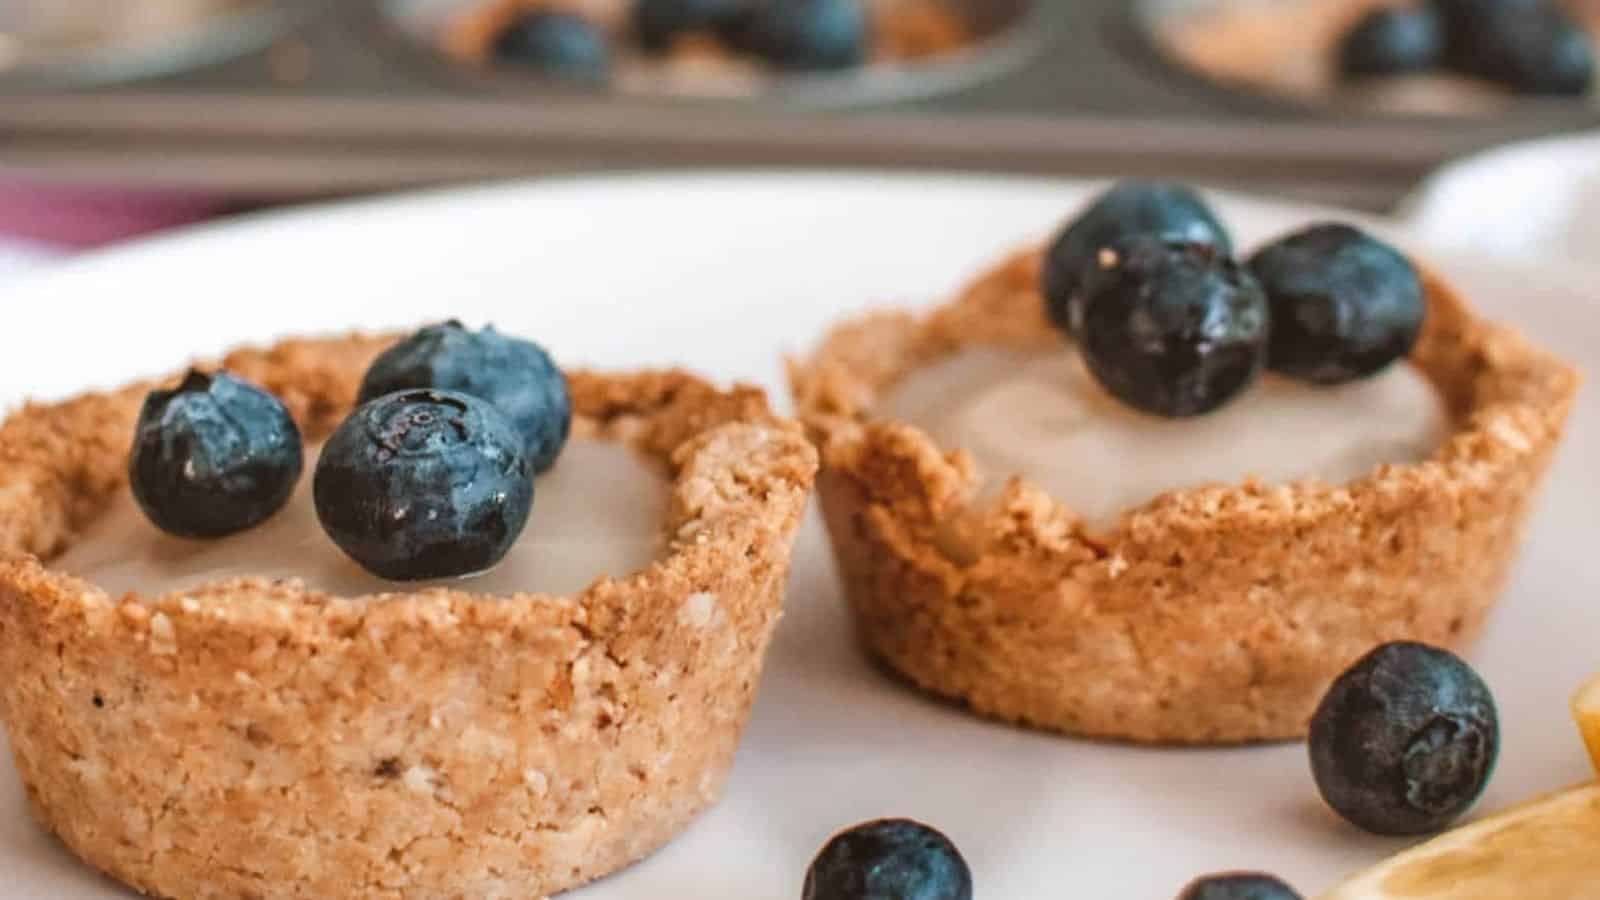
1586, 709
1545, 850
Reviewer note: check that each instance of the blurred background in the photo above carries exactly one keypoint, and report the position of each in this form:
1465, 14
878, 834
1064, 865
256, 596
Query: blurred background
121, 117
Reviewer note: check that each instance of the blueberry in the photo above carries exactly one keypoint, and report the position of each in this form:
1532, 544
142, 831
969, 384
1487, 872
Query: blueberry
1344, 305
515, 375
890, 859
1239, 886
213, 457
657, 23
1529, 48
1405, 741
555, 43
1171, 328
1458, 10
1393, 41
423, 484
1459, 17
1130, 208
803, 34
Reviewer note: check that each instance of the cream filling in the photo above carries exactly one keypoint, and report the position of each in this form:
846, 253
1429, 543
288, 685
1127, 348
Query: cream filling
1043, 417
600, 512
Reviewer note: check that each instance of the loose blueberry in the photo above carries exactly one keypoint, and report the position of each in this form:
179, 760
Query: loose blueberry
515, 375
424, 484
804, 35
890, 859
1405, 741
657, 23
1529, 48
1130, 208
1392, 42
1239, 886
213, 457
555, 43
1172, 329
1344, 305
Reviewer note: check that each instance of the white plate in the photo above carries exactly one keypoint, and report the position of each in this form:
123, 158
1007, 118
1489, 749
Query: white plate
725, 273
18, 256
1528, 202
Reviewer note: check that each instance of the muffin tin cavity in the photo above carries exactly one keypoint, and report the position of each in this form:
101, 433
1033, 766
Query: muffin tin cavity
54, 43
914, 48
1289, 50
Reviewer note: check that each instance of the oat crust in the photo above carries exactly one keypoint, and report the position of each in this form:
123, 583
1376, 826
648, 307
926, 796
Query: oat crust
1212, 615
257, 739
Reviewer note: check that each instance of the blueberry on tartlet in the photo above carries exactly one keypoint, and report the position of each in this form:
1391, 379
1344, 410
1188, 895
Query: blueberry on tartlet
555, 43
657, 23
423, 484
1405, 741
1459, 12
516, 376
1239, 886
1173, 329
1393, 41
213, 457
1130, 208
1344, 304
890, 859
803, 35
1529, 47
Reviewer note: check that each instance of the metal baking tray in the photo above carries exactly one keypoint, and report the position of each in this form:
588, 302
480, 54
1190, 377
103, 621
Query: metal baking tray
341, 100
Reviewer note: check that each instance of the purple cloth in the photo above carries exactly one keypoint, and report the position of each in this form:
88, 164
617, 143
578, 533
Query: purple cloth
78, 217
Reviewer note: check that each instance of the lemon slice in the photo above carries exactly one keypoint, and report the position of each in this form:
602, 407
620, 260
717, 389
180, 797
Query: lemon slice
1546, 850
1586, 708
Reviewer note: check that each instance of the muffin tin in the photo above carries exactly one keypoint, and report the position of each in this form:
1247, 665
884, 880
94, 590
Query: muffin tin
1285, 49
353, 96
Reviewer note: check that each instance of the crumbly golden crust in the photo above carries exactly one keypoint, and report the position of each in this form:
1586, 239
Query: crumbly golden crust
902, 30
1212, 615
259, 739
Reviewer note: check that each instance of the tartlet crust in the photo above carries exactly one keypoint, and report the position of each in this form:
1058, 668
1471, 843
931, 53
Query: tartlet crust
1218, 614
258, 739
